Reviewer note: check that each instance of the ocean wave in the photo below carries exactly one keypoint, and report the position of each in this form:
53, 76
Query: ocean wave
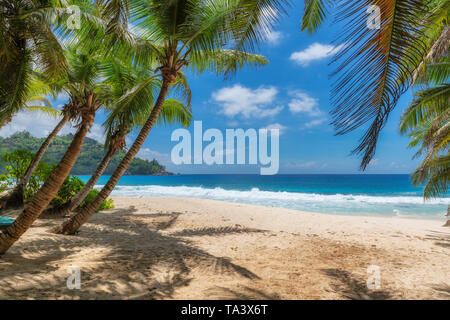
259, 195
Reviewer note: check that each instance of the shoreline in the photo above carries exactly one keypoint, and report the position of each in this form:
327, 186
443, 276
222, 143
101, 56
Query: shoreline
441, 218
185, 248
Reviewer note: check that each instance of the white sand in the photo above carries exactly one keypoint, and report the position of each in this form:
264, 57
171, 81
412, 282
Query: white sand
178, 248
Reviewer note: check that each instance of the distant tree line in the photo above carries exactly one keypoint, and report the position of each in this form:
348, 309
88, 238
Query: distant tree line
90, 155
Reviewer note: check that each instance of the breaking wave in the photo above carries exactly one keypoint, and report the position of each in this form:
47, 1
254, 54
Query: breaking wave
394, 205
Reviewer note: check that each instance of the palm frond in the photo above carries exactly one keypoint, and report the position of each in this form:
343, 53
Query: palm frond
254, 20
428, 104
374, 66
174, 112
314, 13
48, 110
224, 61
436, 174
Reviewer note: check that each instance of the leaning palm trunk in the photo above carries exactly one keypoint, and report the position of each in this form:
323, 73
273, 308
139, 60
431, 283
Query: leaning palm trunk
49, 189
16, 198
72, 225
67, 208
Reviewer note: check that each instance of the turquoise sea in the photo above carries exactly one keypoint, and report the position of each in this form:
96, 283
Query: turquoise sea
359, 194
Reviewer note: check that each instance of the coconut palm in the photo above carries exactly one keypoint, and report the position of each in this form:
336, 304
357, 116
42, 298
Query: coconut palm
35, 101
376, 66
26, 42
121, 121
427, 123
86, 95
15, 198
182, 34
78, 83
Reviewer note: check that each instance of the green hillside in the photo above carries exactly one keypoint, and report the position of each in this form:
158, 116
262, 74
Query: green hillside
88, 160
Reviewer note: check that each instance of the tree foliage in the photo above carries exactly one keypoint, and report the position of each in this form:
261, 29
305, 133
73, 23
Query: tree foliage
88, 160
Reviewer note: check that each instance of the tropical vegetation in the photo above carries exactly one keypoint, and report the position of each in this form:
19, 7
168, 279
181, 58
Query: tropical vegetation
90, 156
16, 163
133, 58
376, 66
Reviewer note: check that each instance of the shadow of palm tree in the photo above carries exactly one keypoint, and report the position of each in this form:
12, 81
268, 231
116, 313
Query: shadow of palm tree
213, 231
351, 288
443, 289
130, 261
440, 238
240, 293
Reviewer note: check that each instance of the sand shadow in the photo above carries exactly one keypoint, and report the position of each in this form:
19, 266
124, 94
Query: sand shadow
352, 288
443, 290
239, 293
212, 231
132, 261
440, 238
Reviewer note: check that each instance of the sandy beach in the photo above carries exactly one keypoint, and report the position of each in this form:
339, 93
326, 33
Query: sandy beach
183, 248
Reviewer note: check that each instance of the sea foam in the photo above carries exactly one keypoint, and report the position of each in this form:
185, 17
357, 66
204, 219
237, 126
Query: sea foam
394, 205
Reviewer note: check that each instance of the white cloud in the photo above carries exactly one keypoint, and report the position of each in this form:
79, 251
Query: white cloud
314, 123
40, 125
97, 133
239, 100
316, 51
37, 124
277, 126
274, 37
300, 164
302, 102
148, 154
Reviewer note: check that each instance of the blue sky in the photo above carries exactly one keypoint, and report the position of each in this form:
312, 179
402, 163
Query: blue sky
291, 93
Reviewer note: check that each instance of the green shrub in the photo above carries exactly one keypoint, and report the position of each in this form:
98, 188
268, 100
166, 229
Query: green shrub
107, 204
70, 187
17, 163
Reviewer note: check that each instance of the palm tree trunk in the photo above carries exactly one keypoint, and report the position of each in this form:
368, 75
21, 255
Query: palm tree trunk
71, 205
72, 225
47, 192
16, 198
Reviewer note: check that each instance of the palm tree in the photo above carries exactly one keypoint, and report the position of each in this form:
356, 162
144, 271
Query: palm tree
15, 198
76, 83
86, 94
377, 66
35, 101
181, 33
122, 121
427, 122
36, 93
26, 40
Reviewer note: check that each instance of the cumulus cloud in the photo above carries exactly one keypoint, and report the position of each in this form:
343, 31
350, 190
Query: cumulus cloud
300, 164
274, 37
315, 123
280, 127
40, 125
303, 103
248, 103
316, 51
148, 154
